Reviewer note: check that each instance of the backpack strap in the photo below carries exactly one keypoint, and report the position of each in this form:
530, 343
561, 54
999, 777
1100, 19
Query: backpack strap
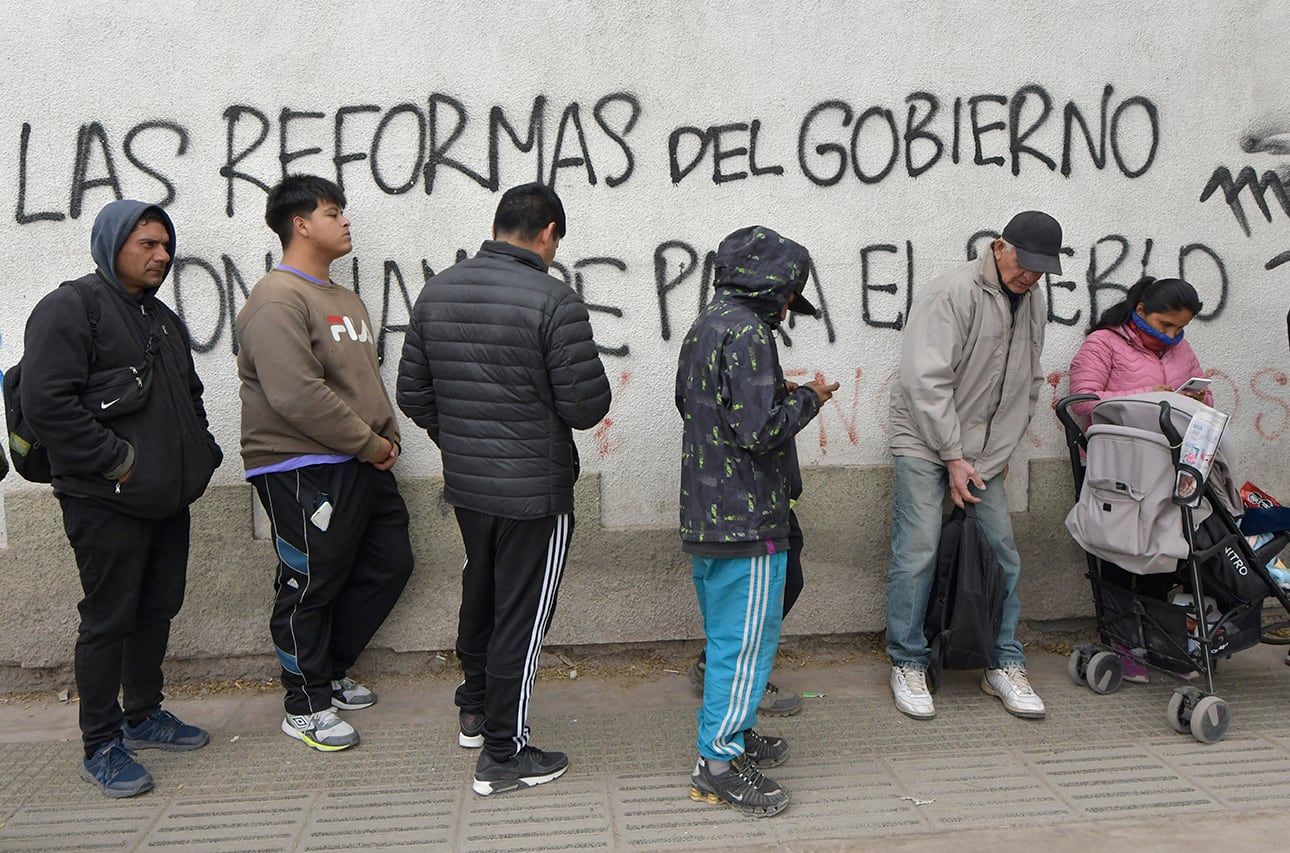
90, 300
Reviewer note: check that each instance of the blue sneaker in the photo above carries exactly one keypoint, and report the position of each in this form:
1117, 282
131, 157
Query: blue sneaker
113, 768
163, 730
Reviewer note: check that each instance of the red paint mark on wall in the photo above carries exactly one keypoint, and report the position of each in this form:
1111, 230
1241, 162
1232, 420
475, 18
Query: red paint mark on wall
850, 423
605, 443
1271, 426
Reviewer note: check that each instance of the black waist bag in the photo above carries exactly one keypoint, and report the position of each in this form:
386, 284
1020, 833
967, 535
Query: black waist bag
119, 391
965, 607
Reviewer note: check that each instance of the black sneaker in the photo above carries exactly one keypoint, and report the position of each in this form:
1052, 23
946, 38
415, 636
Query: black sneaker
766, 751
528, 767
742, 786
112, 767
471, 735
163, 730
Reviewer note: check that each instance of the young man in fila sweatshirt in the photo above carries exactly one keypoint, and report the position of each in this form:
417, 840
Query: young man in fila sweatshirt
319, 438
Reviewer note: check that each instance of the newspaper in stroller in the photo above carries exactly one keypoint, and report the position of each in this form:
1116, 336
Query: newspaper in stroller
1143, 509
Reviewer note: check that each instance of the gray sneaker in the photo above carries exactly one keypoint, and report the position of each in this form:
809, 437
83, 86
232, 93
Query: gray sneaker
348, 695
779, 703
774, 702
322, 730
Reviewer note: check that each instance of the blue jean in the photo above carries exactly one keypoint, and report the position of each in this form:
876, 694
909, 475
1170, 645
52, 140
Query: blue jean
742, 602
916, 513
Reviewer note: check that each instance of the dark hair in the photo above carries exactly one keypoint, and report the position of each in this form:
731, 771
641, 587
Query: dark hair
1155, 295
153, 214
297, 195
526, 209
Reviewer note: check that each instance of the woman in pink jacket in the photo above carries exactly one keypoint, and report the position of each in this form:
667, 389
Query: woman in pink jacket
1134, 347
1138, 345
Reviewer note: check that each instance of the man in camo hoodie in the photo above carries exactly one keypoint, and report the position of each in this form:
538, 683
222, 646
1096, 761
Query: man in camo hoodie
738, 469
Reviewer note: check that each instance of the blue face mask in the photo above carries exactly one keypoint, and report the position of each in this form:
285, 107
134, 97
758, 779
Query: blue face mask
1145, 327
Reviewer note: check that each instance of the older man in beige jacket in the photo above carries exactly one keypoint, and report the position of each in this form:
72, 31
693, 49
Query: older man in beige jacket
968, 382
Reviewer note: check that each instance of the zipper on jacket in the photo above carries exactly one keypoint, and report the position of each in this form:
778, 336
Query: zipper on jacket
1003, 378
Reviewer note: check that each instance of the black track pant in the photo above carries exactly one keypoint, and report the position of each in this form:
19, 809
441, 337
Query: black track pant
133, 572
334, 587
508, 593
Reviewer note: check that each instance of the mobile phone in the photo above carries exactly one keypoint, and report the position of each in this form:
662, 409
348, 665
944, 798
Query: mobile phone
1196, 383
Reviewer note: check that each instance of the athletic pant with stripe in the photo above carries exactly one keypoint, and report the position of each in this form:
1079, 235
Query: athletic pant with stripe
508, 593
334, 587
742, 602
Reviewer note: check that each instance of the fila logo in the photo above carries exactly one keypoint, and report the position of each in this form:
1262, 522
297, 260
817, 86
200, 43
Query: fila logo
344, 325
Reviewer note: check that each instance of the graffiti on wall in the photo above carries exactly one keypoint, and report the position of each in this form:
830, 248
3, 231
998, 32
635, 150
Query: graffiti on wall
415, 146
443, 144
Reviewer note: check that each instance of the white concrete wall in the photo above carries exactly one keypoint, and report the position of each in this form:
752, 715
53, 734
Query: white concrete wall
197, 105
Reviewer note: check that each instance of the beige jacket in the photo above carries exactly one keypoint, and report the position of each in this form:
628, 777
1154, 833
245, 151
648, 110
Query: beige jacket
969, 373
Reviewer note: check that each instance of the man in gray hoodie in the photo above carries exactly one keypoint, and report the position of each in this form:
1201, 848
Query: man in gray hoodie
125, 468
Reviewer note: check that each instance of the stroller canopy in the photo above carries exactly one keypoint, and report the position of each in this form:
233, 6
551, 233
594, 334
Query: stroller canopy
1125, 512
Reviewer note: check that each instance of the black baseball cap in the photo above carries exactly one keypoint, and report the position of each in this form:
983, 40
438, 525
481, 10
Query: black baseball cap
1037, 237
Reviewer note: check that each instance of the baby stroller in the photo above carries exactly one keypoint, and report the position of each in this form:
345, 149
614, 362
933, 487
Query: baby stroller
1126, 516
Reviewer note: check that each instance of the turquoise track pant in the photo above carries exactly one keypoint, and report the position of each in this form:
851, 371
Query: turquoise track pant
742, 602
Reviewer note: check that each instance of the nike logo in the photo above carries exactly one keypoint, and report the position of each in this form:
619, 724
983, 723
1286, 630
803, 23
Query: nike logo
106, 404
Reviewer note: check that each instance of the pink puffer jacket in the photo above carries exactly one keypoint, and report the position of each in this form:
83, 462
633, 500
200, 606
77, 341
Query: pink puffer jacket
1113, 362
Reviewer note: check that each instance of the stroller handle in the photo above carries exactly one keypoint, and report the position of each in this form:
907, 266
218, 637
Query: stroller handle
1075, 440
1167, 427
1064, 409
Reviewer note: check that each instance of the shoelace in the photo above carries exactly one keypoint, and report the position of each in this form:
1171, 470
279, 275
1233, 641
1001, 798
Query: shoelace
916, 680
747, 770
118, 757
326, 718
1017, 677
165, 724
346, 684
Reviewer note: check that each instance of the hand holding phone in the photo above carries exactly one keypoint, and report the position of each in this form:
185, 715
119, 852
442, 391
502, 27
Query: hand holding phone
1194, 387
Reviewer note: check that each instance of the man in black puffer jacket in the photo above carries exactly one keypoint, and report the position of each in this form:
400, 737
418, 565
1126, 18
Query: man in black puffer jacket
124, 482
499, 367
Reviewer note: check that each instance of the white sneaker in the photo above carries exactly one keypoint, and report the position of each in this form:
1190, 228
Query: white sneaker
1011, 685
909, 688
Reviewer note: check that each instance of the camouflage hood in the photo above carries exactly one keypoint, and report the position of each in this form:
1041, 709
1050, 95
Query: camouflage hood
761, 269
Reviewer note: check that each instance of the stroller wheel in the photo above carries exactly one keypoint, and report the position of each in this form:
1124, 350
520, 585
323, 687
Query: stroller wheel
1210, 719
1077, 662
1104, 673
1179, 711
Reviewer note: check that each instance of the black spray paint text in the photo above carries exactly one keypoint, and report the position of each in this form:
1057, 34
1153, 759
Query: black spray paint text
207, 294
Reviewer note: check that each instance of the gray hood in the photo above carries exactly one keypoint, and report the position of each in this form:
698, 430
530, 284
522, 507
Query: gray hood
113, 225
